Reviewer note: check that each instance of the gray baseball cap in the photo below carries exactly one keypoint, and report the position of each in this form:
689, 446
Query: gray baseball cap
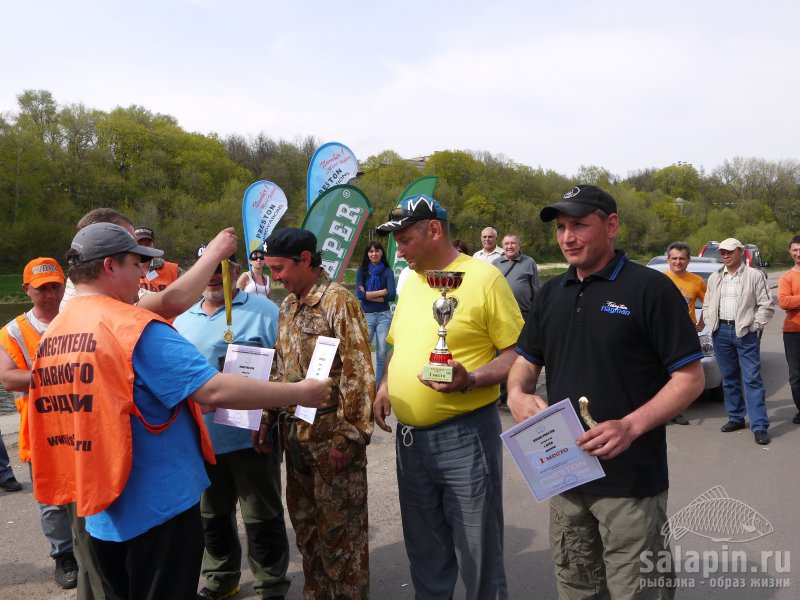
105, 239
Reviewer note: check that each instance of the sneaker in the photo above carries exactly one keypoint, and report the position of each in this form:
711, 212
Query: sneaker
207, 594
680, 420
66, 574
796, 419
11, 484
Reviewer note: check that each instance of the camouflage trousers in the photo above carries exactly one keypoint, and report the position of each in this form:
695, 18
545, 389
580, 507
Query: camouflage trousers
329, 514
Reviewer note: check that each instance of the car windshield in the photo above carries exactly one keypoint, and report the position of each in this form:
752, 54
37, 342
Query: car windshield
712, 251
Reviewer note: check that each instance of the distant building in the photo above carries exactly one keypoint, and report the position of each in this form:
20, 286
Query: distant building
418, 162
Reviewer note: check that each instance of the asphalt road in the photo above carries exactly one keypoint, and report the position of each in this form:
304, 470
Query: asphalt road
761, 478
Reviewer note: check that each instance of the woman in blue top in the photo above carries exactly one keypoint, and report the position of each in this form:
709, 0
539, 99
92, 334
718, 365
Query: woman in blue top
375, 289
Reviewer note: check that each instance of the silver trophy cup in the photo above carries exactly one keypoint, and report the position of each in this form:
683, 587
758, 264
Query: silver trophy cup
443, 308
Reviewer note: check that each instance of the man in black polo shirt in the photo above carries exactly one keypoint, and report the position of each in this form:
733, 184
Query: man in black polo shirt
619, 334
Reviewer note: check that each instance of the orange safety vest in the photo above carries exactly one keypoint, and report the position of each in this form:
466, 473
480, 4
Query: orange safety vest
81, 402
166, 275
19, 339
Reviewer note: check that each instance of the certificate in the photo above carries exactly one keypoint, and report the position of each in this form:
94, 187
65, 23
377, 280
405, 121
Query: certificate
319, 368
247, 361
544, 448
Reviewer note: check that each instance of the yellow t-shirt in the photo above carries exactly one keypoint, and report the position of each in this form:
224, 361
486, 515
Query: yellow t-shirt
487, 319
691, 286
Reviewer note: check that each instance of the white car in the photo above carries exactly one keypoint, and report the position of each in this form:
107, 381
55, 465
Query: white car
703, 267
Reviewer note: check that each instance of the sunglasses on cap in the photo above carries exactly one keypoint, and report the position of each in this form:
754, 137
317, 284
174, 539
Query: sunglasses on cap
418, 213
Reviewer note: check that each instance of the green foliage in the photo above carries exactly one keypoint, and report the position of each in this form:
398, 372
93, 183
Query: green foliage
11, 288
58, 162
678, 181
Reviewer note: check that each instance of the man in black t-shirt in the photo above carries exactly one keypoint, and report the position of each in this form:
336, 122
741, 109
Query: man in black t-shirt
619, 334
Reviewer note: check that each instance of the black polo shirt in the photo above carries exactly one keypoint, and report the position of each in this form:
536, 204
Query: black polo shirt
613, 337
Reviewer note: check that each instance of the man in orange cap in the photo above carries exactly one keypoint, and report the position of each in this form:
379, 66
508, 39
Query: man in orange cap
43, 281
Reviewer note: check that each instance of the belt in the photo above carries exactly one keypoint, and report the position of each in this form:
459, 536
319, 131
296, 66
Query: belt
727, 322
292, 443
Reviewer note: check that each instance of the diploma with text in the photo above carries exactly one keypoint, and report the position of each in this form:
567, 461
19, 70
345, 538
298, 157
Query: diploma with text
247, 361
544, 448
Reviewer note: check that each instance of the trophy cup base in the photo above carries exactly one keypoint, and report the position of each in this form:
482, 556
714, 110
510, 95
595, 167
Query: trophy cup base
436, 372
437, 369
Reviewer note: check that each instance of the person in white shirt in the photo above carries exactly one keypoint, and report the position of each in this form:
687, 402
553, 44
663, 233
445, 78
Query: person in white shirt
490, 250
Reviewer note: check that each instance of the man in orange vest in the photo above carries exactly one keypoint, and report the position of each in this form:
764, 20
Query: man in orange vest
43, 281
115, 424
160, 273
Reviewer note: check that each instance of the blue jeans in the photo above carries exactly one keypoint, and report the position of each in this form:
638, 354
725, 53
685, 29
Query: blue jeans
739, 362
379, 322
450, 483
791, 345
5, 462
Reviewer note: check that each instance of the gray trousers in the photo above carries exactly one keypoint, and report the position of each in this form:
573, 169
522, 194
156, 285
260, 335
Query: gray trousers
56, 526
450, 481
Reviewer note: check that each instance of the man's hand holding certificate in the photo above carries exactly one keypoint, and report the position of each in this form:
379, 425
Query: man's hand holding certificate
319, 368
546, 452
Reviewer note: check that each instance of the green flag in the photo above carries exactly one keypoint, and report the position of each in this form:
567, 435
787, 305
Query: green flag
337, 218
421, 185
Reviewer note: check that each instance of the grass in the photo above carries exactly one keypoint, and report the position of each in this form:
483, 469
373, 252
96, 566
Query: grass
11, 289
552, 272
349, 277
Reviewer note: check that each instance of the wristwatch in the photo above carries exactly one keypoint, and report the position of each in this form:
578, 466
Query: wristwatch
471, 385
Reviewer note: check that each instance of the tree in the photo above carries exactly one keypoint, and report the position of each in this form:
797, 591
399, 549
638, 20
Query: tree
678, 181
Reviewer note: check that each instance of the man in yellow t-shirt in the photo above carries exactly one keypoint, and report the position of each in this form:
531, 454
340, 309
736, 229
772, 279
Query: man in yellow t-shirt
449, 457
691, 286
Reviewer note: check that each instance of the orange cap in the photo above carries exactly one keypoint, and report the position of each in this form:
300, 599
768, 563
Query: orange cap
43, 270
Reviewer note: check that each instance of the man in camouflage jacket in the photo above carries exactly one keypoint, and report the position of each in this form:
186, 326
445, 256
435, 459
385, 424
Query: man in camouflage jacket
326, 486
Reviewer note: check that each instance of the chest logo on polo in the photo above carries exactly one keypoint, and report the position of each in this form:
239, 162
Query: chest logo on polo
615, 309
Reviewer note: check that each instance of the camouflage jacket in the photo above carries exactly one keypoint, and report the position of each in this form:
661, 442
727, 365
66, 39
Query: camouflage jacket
330, 310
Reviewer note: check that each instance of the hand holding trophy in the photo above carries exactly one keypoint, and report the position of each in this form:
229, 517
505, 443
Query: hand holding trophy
443, 308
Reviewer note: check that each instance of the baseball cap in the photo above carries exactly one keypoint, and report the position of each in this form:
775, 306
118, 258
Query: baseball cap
144, 233
43, 270
730, 244
99, 240
580, 201
410, 210
202, 248
290, 242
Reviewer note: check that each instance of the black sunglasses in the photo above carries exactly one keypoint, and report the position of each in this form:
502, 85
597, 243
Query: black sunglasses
257, 257
403, 213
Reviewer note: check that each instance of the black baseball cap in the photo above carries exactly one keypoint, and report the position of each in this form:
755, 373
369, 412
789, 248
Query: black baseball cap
289, 242
410, 210
580, 201
202, 248
99, 240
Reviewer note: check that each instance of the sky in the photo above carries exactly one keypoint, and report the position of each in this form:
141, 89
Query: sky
623, 85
